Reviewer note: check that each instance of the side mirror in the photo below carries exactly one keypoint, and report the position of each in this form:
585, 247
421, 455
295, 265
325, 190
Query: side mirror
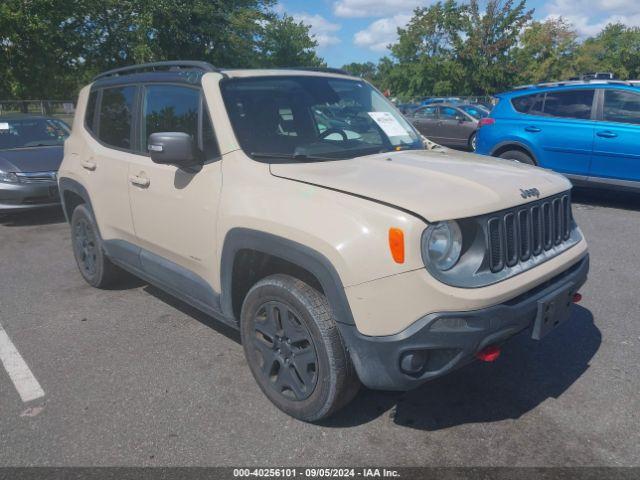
173, 148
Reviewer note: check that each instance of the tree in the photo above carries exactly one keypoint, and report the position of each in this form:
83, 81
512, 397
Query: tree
546, 51
615, 49
50, 48
486, 47
40, 49
287, 43
366, 70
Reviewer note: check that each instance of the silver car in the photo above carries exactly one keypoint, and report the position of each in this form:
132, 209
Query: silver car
451, 125
31, 150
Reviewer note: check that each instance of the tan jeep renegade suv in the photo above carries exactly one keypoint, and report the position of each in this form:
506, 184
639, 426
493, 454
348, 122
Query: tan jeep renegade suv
301, 208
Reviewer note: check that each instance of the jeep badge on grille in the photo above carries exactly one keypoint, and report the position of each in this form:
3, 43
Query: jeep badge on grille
531, 192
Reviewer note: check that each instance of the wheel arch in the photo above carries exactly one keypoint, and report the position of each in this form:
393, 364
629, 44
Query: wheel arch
502, 147
250, 255
72, 194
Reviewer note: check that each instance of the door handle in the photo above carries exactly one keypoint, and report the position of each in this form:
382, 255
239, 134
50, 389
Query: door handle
88, 165
139, 181
607, 134
532, 129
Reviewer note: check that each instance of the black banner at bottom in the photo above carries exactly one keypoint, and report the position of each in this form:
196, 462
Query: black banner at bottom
202, 473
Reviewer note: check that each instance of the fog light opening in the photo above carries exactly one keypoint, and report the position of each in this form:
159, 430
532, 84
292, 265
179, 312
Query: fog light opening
577, 297
489, 354
413, 362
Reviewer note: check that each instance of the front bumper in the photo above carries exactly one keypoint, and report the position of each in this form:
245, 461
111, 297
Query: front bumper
25, 196
449, 340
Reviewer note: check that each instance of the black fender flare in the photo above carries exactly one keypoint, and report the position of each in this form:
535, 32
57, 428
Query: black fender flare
69, 185
238, 239
518, 145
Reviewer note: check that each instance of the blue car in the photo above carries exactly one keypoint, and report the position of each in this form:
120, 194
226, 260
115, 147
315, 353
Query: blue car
589, 131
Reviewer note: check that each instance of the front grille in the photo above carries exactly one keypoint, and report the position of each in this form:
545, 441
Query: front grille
36, 177
527, 231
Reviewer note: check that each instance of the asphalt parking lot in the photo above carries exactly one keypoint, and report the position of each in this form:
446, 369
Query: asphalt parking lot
131, 376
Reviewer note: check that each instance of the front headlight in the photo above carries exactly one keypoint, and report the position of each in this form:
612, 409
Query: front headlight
442, 244
9, 177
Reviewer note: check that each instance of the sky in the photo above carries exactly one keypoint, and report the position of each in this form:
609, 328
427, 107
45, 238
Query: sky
359, 30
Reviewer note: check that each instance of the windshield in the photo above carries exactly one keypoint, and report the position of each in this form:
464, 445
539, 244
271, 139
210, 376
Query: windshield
32, 132
318, 117
475, 111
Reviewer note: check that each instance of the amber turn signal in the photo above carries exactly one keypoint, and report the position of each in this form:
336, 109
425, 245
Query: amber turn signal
396, 244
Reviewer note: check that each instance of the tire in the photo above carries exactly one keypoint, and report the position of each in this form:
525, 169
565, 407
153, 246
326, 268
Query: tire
294, 349
472, 141
517, 156
94, 266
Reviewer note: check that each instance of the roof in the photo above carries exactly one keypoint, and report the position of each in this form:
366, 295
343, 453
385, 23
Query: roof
187, 68
571, 84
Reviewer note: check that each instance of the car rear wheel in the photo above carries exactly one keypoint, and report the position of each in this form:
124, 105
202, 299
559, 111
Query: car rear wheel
94, 266
294, 348
473, 142
517, 156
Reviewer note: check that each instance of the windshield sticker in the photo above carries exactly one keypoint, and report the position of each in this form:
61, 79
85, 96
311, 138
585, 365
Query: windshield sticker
388, 124
4, 126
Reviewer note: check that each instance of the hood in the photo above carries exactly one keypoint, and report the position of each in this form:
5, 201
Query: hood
434, 184
36, 159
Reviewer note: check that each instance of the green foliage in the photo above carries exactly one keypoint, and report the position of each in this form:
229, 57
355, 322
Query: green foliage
367, 70
287, 43
50, 48
452, 48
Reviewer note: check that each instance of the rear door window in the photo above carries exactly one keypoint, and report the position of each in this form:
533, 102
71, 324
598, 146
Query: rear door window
426, 112
116, 113
448, 113
569, 104
621, 106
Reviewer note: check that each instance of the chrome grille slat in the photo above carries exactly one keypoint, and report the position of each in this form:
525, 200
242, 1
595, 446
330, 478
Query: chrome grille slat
525, 232
36, 177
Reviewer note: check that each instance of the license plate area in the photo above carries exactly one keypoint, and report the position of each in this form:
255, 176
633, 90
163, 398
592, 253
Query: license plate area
553, 310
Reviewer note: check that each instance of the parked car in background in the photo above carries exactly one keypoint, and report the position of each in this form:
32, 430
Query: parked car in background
407, 108
451, 125
30, 155
587, 130
429, 101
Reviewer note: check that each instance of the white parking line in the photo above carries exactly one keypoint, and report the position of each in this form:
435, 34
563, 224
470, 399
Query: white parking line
18, 370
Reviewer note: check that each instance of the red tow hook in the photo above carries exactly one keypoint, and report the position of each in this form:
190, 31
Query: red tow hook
488, 354
576, 297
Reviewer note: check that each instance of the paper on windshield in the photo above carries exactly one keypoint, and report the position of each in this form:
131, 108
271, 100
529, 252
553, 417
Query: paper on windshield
388, 124
4, 126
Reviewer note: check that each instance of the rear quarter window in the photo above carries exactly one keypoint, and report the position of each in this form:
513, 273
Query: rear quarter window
524, 103
569, 104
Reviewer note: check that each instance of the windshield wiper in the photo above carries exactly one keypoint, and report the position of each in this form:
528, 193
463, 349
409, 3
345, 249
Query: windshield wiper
293, 156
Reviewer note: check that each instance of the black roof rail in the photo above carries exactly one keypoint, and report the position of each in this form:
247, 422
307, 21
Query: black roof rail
563, 83
168, 65
319, 69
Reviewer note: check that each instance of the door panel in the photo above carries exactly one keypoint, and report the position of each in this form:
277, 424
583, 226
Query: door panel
563, 133
175, 210
616, 152
425, 120
452, 127
105, 164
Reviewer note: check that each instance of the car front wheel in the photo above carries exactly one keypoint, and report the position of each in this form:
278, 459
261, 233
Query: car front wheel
294, 348
517, 156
